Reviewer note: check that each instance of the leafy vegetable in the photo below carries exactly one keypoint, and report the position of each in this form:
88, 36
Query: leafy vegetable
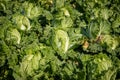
22, 22
59, 40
